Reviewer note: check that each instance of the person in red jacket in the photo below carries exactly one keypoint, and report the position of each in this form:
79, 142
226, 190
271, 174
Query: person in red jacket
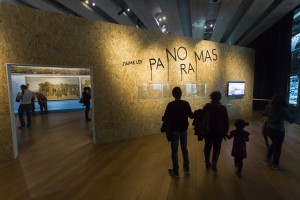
216, 117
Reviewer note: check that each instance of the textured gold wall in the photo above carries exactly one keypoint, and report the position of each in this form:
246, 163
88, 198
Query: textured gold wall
30, 36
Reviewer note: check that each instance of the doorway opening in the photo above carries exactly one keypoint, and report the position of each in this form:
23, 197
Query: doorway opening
62, 118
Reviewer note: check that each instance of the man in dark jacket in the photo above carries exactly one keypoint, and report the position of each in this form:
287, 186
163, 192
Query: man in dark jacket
176, 116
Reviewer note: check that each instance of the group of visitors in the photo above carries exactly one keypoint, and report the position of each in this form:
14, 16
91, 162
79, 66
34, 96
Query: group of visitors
26, 98
213, 125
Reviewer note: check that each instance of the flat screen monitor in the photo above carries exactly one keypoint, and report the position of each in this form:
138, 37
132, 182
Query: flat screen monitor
236, 88
294, 89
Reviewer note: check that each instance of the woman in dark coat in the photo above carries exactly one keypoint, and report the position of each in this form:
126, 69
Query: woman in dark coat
217, 123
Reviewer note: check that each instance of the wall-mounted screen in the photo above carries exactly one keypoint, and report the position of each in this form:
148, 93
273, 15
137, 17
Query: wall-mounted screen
294, 88
295, 62
236, 88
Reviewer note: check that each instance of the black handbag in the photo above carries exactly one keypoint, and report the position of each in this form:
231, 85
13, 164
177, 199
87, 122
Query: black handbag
165, 129
81, 100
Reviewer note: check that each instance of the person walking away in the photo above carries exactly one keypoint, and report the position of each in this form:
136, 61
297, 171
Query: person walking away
42, 100
86, 95
176, 115
218, 124
276, 112
25, 98
263, 131
239, 150
33, 105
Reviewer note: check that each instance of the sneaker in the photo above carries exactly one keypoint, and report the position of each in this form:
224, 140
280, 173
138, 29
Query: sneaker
173, 174
215, 170
277, 167
268, 160
208, 166
187, 172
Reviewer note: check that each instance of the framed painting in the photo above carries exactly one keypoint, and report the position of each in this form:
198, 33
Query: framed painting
55, 88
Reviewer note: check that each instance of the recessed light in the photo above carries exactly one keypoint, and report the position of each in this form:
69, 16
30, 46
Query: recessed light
94, 4
87, 2
205, 27
211, 25
128, 10
164, 18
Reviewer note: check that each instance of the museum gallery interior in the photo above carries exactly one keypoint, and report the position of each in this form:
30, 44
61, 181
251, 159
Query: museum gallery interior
132, 54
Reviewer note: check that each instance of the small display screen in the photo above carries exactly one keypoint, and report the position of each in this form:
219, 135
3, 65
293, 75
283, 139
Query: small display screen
236, 88
294, 88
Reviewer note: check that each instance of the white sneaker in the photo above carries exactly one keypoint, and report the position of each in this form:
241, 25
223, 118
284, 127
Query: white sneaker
277, 167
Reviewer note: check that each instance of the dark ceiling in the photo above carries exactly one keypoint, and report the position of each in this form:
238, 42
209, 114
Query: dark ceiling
235, 22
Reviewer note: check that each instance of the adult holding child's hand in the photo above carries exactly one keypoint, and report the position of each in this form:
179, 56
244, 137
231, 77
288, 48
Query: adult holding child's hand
217, 123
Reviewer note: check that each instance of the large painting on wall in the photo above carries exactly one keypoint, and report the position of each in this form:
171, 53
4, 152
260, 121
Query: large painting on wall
85, 82
55, 88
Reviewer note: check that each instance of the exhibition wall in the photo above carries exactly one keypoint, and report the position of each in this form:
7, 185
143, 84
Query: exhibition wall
133, 70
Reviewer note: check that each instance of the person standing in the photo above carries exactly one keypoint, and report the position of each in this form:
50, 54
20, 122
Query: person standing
86, 95
276, 112
176, 116
216, 117
239, 150
42, 100
25, 97
33, 105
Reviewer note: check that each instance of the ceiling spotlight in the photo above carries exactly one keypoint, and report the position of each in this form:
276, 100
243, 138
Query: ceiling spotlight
94, 4
128, 10
87, 2
120, 12
205, 27
164, 18
211, 25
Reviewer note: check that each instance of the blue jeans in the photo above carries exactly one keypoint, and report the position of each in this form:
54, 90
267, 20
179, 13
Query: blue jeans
25, 108
182, 136
277, 138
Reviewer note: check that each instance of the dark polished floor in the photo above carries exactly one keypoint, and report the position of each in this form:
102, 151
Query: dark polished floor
58, 161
